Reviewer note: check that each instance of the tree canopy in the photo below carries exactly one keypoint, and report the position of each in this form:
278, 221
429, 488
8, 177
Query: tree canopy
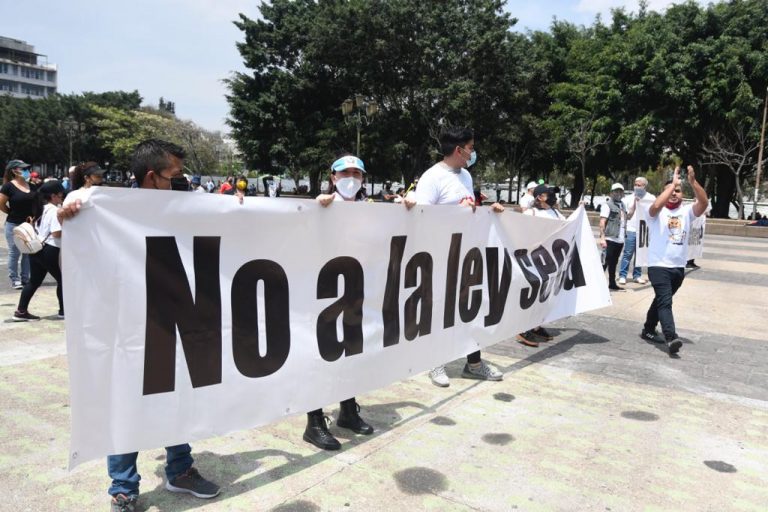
571, 104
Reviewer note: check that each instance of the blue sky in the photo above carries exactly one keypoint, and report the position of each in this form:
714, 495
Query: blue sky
182, 49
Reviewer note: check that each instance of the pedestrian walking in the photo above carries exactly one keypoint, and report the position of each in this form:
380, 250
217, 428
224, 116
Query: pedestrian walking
19, 201
669, 227
46, 261
613, 224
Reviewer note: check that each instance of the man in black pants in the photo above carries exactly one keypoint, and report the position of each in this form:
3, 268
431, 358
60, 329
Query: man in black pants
613, 226
669, 226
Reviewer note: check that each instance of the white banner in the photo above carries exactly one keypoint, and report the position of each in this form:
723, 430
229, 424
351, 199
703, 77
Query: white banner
695, 238
190, 316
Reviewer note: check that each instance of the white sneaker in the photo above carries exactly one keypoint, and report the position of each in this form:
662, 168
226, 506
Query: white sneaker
17, 285
482, 372
622, 280
640, 280
438, 376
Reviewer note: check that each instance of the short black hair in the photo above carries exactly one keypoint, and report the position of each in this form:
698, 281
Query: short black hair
452, 137
152, 154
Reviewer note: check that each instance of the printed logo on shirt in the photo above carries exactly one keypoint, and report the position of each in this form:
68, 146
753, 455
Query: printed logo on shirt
676, 232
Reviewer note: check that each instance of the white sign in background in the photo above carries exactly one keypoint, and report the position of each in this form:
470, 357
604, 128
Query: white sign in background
105, 267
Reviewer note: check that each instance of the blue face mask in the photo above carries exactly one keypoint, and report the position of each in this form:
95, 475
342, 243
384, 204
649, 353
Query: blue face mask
472, 158
25, 175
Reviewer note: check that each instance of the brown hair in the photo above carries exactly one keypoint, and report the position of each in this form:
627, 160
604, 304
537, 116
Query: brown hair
78, 175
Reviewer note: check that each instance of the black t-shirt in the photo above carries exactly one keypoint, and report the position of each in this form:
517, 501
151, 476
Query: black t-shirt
21, 204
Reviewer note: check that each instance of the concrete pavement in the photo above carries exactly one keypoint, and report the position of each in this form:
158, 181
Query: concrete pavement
597, 419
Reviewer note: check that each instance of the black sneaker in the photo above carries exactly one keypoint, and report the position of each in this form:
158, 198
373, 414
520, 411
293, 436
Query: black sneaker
543, 333
674, 346
615, 288
123, 503
193, 483
317, 433
18, 316
650, 336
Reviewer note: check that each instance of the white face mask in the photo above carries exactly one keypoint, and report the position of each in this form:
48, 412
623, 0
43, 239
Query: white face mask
348, 187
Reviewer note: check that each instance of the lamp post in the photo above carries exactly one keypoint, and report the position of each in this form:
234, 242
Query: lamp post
760, 156
359, 111
71, 127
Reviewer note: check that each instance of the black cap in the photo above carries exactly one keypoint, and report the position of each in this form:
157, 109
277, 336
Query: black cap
51, 187
94, 169
540, 189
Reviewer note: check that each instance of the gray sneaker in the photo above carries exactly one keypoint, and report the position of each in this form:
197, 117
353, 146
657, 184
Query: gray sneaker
123, 503
439, 377
482, 372
191, 482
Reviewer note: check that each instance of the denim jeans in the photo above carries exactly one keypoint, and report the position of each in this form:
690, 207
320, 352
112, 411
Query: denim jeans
627, 257
125, 476
666, 282
13, 257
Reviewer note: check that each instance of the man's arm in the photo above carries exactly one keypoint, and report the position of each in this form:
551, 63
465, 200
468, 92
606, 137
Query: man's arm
632, 208
603, 222
702, 201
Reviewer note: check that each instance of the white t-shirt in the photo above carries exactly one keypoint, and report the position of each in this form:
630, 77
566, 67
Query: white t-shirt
49, 223
527, 201
668, 237
634, 222
605, 212
549, 213
82, 194
442, 185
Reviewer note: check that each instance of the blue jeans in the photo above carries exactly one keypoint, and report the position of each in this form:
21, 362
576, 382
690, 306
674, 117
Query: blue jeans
13, 257
125, 476
627, 257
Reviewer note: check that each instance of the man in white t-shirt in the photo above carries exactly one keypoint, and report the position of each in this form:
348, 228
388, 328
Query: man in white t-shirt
528, 198
613, 225
669, 223
449, 182
632, 203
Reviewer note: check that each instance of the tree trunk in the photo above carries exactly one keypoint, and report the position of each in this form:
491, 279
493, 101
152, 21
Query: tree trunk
578, 186
724, 192
739, 197
592, 196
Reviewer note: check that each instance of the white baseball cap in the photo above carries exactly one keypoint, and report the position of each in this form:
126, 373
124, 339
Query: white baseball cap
617, 186
531, 185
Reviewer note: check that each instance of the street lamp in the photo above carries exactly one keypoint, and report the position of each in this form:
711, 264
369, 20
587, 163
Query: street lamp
71, 128
760, 156
359, 111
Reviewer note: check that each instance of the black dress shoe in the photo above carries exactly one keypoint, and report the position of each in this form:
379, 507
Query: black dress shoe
317, 433
349, 417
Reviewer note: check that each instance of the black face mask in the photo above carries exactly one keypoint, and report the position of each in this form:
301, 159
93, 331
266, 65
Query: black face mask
551, 199
180, 183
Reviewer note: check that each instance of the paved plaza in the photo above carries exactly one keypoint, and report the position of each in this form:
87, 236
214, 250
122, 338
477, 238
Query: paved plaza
596, 420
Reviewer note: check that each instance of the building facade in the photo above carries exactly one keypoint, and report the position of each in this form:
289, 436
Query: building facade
24, 73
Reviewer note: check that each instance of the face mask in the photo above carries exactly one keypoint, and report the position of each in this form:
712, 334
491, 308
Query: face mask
348, 187
551, 199
640, 192
25, 175
617, 196
180, 183
472, 159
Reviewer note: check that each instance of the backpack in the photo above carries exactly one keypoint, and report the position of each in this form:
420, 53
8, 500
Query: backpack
26, 239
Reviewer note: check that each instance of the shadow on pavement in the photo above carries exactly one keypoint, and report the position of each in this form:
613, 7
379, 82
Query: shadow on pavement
555, 348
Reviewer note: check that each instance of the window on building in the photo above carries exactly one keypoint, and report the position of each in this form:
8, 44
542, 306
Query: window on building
3, 68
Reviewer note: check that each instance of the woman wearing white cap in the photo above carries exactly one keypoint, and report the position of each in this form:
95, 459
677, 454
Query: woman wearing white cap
346, 185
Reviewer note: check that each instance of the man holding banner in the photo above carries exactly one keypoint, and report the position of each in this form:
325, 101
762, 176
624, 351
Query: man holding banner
669, 231
632, 203
449, 182
157, 165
